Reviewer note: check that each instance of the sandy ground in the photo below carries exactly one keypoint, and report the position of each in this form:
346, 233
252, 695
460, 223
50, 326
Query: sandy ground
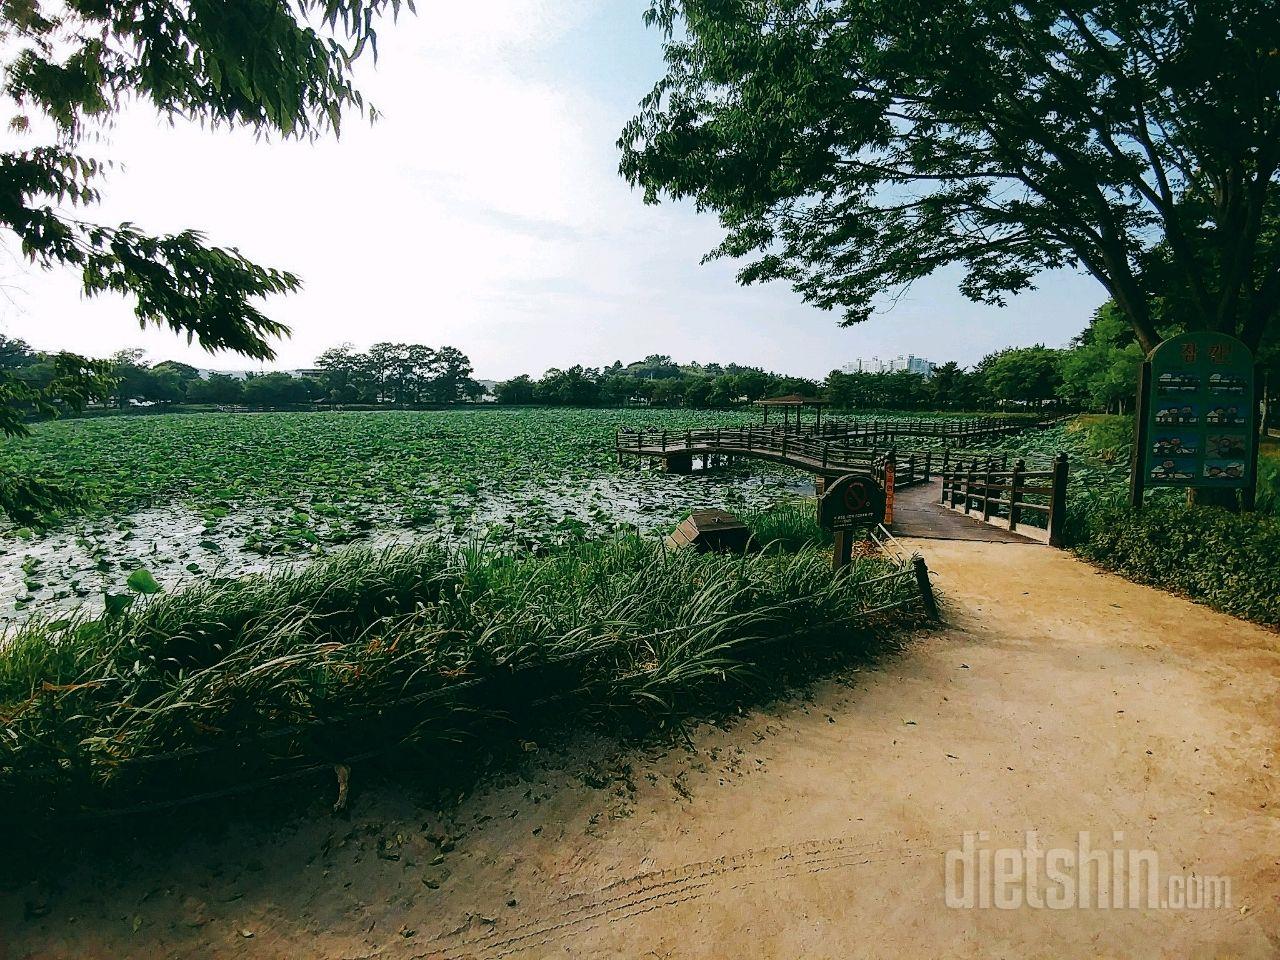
1059, 700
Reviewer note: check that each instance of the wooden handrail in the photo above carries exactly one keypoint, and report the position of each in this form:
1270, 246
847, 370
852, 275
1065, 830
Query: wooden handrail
999, 496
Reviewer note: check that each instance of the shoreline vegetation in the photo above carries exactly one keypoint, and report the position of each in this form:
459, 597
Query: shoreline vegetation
1204, 553
230, 685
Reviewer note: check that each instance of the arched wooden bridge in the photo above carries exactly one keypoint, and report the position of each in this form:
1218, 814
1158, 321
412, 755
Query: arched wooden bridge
956, 495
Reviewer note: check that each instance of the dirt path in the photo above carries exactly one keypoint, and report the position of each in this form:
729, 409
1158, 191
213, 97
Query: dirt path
1059, 700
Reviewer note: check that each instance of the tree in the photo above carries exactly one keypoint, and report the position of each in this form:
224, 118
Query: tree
1027, 375
951, 387
851, 146
452, 372
218, 388
181, 374
255, 63
277, 390
1100, 370
422, 370
516, 390
70, 66
15, 353
697, 392
129, 372
577, 386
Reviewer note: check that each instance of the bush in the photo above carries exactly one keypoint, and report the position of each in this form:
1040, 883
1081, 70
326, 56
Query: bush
1226, 560
1109, 438
1269, 480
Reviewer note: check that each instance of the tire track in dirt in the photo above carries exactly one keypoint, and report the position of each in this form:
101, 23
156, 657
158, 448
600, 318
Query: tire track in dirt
653, 890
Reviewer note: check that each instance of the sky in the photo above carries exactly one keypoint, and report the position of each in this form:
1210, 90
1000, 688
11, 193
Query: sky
484, 211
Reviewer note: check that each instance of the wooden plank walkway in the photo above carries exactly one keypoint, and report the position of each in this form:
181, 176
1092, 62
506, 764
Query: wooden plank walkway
918, 512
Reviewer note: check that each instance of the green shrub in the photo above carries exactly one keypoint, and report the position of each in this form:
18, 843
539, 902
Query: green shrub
1269, 480
1109, 438
1228, 561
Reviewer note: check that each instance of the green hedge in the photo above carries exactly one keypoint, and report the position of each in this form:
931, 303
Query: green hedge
1228, 561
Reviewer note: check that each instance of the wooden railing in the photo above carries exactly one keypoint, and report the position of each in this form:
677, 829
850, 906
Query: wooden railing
828, 456
886, 432
1030, 502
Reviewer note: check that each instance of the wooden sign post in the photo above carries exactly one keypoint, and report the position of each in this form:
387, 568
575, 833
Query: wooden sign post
851, 501
1197, 416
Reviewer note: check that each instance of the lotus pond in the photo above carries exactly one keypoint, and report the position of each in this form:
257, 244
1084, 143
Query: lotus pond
192, 497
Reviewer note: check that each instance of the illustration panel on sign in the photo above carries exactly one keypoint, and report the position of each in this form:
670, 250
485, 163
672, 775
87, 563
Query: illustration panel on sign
1226, 445
1180, 468
1175, 384
1177, 413
1224, 469
1174, 446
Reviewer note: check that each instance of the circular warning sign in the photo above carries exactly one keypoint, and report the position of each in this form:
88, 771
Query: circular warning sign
850, 501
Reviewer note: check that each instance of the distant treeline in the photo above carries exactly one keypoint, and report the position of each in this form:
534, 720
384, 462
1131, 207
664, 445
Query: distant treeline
387, 373
1097, 371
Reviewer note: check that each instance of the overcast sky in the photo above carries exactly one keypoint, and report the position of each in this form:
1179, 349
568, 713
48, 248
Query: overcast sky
485, 211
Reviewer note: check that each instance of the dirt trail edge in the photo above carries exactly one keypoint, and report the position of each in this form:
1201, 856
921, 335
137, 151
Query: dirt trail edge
1059, 699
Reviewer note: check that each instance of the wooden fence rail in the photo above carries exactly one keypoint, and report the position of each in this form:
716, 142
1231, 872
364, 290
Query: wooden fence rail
1011, 497
825, 456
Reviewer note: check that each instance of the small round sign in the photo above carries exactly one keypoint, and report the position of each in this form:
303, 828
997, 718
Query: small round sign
852, 500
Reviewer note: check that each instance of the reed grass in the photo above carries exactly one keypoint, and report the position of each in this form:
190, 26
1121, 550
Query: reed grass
233, 680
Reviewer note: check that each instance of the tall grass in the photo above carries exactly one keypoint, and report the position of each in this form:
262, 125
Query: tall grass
234, 680
790, 525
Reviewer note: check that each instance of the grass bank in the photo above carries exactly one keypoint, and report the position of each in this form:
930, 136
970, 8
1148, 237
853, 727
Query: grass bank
231, 683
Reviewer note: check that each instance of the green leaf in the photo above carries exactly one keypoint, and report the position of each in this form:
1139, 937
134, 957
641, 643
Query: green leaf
142, 581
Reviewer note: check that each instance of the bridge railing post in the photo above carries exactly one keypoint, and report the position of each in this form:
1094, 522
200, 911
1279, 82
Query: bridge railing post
1015, 492
927, 598
986, 495
1058, 500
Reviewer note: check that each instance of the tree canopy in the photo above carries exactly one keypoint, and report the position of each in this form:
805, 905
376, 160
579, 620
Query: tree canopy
854, 146
69, 67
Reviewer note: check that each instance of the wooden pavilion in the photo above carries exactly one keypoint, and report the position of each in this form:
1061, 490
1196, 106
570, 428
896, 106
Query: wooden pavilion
793, 401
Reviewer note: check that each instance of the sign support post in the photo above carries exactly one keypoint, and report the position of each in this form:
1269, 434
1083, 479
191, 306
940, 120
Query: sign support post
1141, 436
1249, 495
842, 555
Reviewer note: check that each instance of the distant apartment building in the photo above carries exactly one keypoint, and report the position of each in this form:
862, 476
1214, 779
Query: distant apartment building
910, 363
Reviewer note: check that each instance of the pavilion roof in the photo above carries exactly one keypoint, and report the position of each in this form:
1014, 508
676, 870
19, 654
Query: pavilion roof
791, 400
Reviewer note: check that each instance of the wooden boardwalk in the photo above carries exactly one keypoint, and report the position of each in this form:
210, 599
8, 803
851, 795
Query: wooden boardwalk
918, 512
1000, 496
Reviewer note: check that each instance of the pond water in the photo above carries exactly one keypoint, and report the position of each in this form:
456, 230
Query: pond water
216, 516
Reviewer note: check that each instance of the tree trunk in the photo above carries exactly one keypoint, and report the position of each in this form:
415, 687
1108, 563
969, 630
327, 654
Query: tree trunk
1213, 497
